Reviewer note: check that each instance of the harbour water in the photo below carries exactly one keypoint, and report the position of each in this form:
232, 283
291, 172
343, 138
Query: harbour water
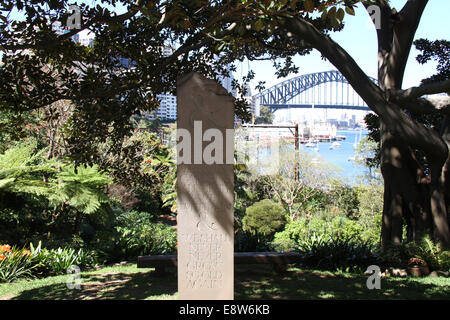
340, 156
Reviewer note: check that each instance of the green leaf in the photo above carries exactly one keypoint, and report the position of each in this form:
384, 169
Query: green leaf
220, 46
334, 22
332, 15
332, 11
340, 14
259, 25
5, 182
350, 11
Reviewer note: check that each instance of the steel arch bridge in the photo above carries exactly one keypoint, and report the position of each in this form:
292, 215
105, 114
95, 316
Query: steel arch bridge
323, 90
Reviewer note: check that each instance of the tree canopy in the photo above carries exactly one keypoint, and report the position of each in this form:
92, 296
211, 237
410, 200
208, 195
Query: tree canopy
41, 66
265, 116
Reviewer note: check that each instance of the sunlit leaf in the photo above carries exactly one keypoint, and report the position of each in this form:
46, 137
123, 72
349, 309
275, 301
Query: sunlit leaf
350, 11
340, 14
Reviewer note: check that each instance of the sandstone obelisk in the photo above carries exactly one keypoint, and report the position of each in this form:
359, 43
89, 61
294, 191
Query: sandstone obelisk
205, 190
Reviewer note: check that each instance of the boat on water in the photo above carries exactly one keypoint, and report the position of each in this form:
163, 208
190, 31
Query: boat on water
311, 144
335, 145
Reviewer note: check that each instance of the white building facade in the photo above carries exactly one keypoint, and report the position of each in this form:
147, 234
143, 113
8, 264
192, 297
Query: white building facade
167, 110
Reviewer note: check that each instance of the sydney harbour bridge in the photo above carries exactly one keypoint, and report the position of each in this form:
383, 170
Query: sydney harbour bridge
321, 90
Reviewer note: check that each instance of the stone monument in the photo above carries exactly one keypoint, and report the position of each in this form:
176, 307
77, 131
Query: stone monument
205, 187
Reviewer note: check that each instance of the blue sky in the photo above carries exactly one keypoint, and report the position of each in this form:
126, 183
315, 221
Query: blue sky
359, 39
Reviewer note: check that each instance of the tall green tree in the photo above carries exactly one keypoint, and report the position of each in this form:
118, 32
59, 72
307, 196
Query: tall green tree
366, 152
265, 116
106, 95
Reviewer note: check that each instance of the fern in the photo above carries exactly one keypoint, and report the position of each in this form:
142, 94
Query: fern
22, 170
82, 190
432, 253
25, 170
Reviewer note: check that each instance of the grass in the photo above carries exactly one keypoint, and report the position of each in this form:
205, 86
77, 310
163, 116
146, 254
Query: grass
129, 283
118, 282
311, 284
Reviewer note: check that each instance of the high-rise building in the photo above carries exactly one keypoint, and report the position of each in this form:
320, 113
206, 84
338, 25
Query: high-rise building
167, 102
251, 102
167, 109
227, 81
84, 37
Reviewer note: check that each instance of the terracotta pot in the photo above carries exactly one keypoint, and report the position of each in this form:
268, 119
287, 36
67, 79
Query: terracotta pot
425, 270
418, 271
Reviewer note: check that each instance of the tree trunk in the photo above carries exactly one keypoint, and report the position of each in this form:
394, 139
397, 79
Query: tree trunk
438, 200
402, 174
391, 229
440, 192
406, 192
400, 133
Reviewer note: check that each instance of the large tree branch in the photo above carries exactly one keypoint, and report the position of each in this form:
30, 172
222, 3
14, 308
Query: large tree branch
416, 92
426, 106
395, 36
397, 121
411, 98
404, 31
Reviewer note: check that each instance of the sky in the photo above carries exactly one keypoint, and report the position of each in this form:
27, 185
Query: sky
359, 39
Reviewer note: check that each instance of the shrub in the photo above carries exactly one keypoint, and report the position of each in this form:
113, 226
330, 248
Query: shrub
294, 233
246, 242
40, 262
264, 218
336, 254
301, 231
148, 239
134, 234
345, 198
425, 249
14, 263
56, 261
371, 207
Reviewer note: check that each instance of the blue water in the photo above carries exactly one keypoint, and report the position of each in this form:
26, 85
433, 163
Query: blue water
347, 170
340, 156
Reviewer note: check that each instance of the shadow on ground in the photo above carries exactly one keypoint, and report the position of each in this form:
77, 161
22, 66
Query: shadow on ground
250, 283
301, 284
118, 286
